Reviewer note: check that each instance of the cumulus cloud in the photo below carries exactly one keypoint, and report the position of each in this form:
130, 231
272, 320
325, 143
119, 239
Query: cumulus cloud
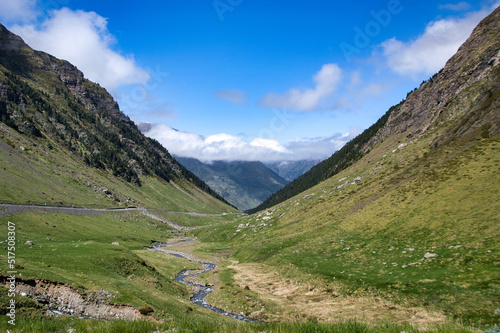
234, 96
224, 147
17, 10
82, 38
429, 52
326, 80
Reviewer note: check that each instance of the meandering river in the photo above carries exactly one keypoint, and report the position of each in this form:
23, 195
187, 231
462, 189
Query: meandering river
200, 291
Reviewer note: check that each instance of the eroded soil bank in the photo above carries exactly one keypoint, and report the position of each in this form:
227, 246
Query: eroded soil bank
61, 298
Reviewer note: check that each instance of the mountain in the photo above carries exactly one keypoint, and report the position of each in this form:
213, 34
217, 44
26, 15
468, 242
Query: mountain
63, 138
290, 170
433, 105
401, 223
243, 184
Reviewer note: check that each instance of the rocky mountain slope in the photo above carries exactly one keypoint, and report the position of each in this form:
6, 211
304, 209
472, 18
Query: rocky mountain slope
59, 128
243, 184
406, 218
457, 101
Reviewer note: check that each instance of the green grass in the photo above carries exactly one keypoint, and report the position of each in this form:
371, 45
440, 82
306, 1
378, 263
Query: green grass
197, 325
307, 233
80, 253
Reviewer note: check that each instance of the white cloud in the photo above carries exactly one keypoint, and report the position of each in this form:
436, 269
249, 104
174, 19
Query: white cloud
317, 148
225, 147
269, 144
222, 146
326, 80
17, 10
456, 7
82, 38
429, 52
234, 96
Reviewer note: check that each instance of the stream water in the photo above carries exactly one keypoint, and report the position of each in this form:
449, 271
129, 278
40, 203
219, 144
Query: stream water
200, 291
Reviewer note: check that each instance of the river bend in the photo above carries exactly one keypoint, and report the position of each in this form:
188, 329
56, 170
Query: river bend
200, 291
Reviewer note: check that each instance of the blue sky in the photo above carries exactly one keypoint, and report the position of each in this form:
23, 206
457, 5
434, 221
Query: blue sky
251, 80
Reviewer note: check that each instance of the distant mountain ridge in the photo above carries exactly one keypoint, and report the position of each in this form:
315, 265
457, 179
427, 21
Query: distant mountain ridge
243, 184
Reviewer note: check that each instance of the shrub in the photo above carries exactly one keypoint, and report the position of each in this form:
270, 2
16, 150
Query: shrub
145, 310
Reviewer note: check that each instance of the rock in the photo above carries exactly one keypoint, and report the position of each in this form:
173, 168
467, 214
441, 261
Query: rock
346, 249
343, 185
429, 255
42, 299
29, 243
357, 180
115, 243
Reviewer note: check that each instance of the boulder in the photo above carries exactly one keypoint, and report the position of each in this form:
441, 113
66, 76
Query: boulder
429, 255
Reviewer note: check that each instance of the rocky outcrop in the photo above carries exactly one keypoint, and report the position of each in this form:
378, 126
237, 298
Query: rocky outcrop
467, 84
